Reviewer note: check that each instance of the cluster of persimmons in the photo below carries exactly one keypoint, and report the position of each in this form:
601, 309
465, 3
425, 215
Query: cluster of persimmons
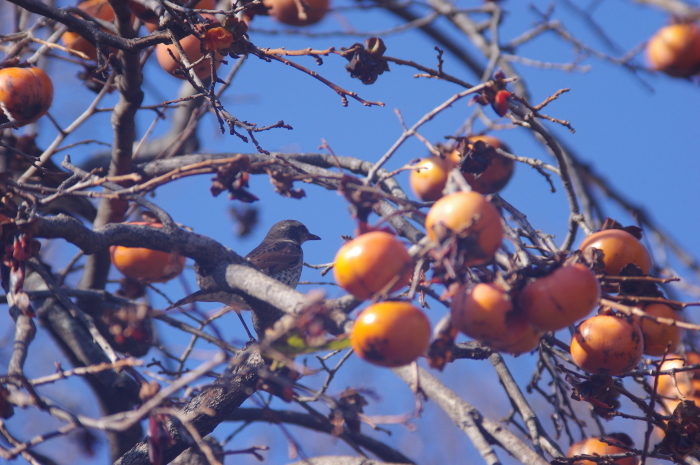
510, 312
26, 92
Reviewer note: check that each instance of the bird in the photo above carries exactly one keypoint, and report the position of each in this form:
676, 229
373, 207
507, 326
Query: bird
279, 256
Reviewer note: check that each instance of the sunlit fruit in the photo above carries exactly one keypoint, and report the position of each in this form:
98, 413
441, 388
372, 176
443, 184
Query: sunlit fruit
147, 265
370, 262
561, 298
289, 11
674, 396
681, 383
659, 337
675, 50
607, 344
99, 9
26, 95
485, 312
192, 47
496, 176
390, 334
619, 248
594, 446
429, 178
470, 216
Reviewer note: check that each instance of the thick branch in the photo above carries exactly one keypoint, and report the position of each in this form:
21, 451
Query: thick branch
306, 420
480, 430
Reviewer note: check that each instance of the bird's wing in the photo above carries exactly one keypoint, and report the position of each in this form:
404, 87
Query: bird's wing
276, 256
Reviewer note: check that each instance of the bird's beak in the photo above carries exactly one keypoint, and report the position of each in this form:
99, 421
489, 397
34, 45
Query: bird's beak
313, 237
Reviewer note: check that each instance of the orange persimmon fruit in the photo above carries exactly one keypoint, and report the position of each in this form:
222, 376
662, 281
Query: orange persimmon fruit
485, 312
594, 446
607, 344
192, 46
659, 337
619, 248
370, 262
26, 95
99, 9
390, 334
675, 50
146, 265
468, 215
297, 12
561, 298
496, 176
429, 177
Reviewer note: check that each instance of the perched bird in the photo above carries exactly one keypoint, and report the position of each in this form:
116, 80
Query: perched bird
279, 256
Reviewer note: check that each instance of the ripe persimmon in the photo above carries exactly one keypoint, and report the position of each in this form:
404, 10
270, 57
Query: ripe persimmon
297, 12
619, 248
390, 334
528, 342
429, 177
660, 337
146, 265
681, 383
99, 9
675, 50
496, 176
485, 312
607, 344
193, 50
468, 215
26, 95
368, 263
594, 446
559, 299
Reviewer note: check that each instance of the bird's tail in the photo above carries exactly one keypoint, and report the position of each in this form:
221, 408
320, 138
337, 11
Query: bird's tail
199, 296
232, 300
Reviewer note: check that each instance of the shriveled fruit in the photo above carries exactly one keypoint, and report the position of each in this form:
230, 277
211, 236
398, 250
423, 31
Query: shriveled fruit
470, 216
297, 12
485, 312
390, 334
99, 9
607, 344
675, 50
496, 176
192, 47
559, 299
660, 337
26, 95
594, 446
147, 265
129, 328
429, 179
619, 248
368, 263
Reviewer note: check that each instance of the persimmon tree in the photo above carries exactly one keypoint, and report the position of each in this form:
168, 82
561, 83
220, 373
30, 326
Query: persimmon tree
99, 145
